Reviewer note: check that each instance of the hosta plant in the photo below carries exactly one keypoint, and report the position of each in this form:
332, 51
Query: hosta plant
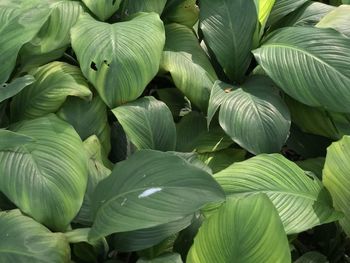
174, 131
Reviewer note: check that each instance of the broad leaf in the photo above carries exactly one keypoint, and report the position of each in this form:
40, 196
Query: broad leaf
111, 55
103, 9
145, 238
301, 200
54, 163
184, 12
255, 116
243, 230
339, 19
136, 6
54, 83
307, 63
283, 8
228, 28
148, 123
336, 178
9, 90
53, 38
150, 189
88, 118
23, 240
18, 25
9, 139
188, 64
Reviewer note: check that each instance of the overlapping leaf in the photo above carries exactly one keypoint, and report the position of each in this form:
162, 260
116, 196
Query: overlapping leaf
150, 189
184, 12
9, 90
23, 240
301, 200
309, 64
103, 9
119, 59
54, 163
339, 19
282, 8
54, 82
148, 123
245, 230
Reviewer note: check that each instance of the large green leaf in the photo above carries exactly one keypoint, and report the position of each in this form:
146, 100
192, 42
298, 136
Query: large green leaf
136, 6
193, 135
54, 82
283, 8
47, 178
254, 115
9, 139
184, 12
336, 178
145, 238
244, 230
88, 118
301, 200
103, 9
53, 38
98, 169
339, 19
228, 28
119, 59
9, 90
18, 25
148, 123
150, 189
310, 64
23, 240
188, 64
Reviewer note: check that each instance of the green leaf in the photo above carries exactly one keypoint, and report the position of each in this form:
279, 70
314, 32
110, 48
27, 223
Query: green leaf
255, 116
103, 9
9, 139
307, 63
145, 238
136, 6
301, 200
111, 55
18, 26
166, 258
314, 165
312, 257
282, 8
24, 240
184, 12
54, 163
193, 135
9, 90
53, 38
248, 230
54, 83
338, 19
264, 10
228, 28
88, 118
188, 64
98, 169
150, 189
336, 178
148, 123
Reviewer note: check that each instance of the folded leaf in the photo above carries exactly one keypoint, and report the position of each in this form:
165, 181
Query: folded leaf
246, 230
301, 200
119, 59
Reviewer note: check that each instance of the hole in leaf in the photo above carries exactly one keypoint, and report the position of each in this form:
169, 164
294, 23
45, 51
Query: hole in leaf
106, 62
93, 66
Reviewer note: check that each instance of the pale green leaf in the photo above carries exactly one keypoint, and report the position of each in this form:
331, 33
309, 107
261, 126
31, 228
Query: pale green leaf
309, 64
54, 163
148, 123
339, 19
188, 64
23, 240
228, 28
149, 189
336, 178
119, 59
301, 200
54, 82
246, 230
